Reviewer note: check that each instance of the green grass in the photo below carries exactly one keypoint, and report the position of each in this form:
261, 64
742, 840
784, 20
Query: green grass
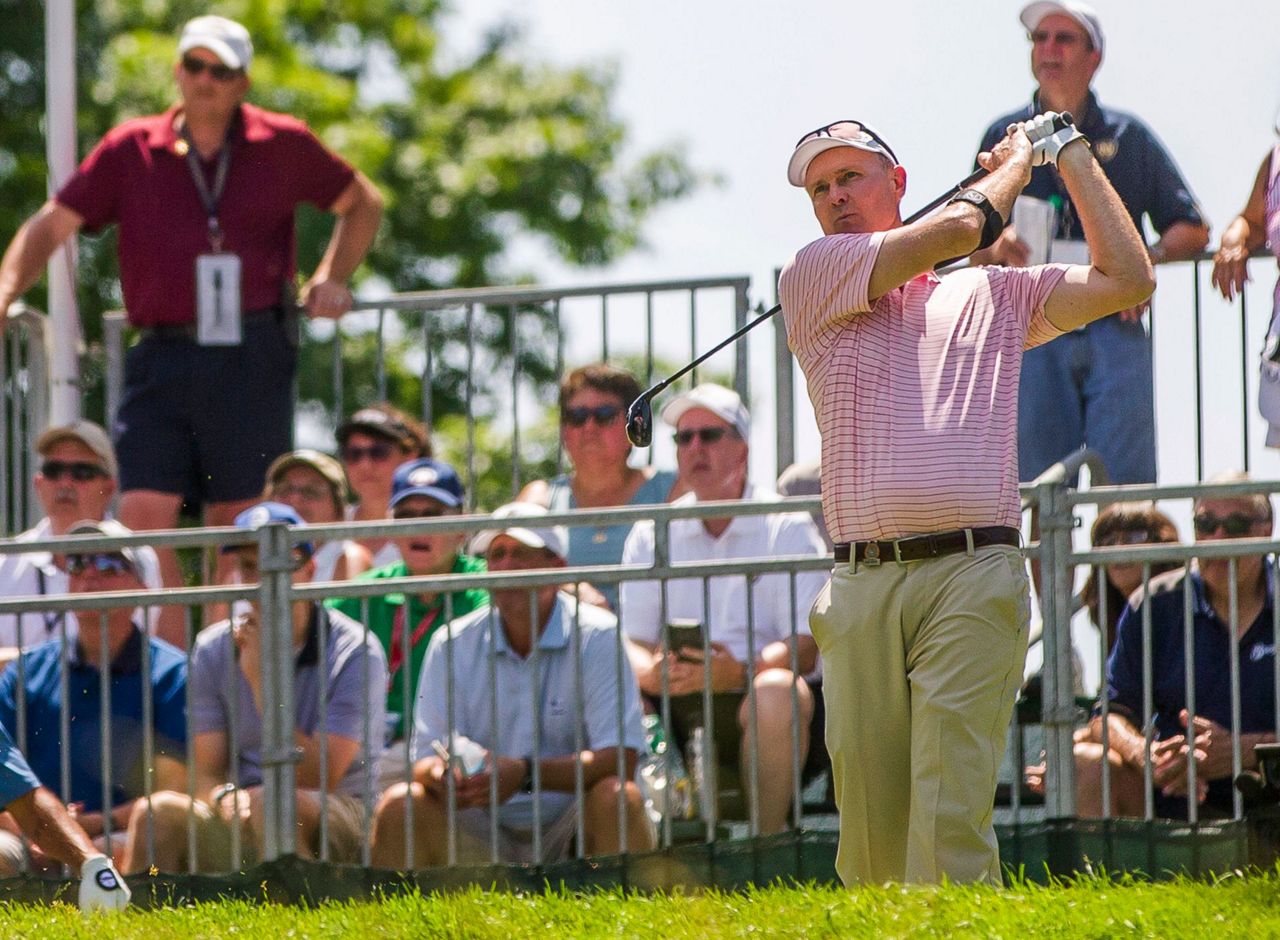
1098, 907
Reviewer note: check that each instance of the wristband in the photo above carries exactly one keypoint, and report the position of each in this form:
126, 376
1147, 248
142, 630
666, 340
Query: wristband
993, 224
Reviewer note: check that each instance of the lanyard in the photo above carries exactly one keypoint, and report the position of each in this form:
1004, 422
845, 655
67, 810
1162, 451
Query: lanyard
396, 658
209, 198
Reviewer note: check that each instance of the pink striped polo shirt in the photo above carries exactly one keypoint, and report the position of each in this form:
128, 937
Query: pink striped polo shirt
916, 396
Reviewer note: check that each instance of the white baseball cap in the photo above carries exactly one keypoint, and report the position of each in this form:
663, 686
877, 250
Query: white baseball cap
720, 401
554, 538
83, 432
847, 133
1082, 13
225, 38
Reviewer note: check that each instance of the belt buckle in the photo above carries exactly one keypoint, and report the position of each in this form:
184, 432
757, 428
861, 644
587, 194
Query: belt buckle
897, 550
871, 555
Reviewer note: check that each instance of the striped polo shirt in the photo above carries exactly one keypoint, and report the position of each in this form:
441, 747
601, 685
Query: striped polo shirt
916, 395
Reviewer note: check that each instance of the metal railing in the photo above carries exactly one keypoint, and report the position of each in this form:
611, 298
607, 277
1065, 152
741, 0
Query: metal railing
24, 412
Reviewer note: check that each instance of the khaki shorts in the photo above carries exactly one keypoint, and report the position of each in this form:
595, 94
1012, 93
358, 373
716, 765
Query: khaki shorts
475, 846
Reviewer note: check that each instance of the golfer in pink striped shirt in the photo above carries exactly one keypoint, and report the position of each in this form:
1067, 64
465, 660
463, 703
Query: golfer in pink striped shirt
914, 378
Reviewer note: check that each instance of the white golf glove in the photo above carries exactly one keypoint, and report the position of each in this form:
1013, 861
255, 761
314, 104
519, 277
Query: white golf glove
1047, 140
101, 887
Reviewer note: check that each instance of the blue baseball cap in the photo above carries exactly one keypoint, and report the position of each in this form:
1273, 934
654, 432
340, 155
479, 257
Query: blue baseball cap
255, 517
427, 477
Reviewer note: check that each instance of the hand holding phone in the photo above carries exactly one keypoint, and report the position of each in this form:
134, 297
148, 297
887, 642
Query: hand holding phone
686, 637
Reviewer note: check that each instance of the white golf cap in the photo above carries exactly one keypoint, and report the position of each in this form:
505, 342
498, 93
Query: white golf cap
853, 134
720, 401
1082, 13
225, 38
554, 538
83, 432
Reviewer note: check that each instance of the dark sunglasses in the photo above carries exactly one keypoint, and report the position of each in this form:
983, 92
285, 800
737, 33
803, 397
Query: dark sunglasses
1235, 525
377, 452
407, 512
706, 435
1136, 537
79, 471
850, 130
195, 67
101, 562
577, 417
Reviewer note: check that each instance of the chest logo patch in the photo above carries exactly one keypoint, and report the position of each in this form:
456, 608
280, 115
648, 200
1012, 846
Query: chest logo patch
1105, 150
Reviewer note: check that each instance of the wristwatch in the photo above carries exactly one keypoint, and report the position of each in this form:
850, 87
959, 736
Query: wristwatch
993, 225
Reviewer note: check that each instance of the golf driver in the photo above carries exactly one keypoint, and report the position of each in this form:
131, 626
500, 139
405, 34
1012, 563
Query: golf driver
640, 412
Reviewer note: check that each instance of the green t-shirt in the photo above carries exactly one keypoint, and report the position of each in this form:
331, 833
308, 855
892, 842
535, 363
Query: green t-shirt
383, 613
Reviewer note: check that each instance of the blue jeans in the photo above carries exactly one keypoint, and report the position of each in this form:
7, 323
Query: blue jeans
1090, 387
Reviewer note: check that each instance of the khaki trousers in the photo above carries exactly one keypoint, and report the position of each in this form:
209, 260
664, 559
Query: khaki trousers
922, 662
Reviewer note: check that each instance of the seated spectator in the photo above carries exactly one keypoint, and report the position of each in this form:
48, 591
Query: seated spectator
372, 443
805, 479
341, 668
593, 410
76, 481
111, 637
421, 489
535, 751
1138, 523
712, 427
41, 817
1208, 735
315, 487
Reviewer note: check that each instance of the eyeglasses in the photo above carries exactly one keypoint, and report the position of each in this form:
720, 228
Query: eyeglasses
602, 414
103, 563
706, 435
408, 512
1136, 537
1041, 36
312, 493
1235, 525
196, 67
79, 471
850, 130
377, 452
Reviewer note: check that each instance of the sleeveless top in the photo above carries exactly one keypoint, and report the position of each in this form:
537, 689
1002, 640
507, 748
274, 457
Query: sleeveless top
602, 545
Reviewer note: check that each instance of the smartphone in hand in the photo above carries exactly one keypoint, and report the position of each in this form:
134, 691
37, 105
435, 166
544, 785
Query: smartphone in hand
685, 637
468, 760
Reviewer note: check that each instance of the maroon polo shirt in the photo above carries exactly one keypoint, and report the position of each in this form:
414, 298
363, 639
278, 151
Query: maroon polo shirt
137, 179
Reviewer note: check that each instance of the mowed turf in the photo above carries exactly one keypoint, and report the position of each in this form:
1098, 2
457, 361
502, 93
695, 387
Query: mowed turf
1238, 906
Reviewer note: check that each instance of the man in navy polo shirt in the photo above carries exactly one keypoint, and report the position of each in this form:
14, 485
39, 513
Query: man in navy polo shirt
204, 197
1253, 647
79, 766
1092, 386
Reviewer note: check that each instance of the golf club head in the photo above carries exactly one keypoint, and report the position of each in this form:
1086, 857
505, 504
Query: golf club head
640, 422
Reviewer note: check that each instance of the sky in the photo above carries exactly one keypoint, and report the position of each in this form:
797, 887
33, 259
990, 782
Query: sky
737, 83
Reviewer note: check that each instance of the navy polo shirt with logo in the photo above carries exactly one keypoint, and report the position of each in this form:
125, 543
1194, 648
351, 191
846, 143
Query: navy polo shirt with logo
1134, 160
1213, 650
42, 684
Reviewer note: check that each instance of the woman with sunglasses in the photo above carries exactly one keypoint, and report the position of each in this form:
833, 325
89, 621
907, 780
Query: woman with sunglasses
372, 443
593, 408
1134, 523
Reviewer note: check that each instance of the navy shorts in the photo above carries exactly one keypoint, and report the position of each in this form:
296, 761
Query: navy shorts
205, 422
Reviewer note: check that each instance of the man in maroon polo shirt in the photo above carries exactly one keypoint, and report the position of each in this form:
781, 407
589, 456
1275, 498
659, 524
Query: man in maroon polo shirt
204, 197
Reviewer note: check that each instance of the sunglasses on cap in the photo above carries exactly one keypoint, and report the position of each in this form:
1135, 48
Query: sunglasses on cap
79, 471
196, 67
1234, 525
850, 130
101, 562
706, 435
377, 452
601, 414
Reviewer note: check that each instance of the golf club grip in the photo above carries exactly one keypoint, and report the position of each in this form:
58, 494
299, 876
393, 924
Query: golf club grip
1059, 122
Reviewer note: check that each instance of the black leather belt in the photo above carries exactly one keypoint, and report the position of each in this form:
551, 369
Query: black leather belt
169, 331
934, 545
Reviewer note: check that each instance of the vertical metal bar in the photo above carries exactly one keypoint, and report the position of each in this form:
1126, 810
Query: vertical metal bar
17, 436
784, 398
380, 355
662, 558
192, 851
1058, 706
451, 721
1244, 372
495, 731
322, 729
148, 740
579, 714
233, 735
1199, 378
648, 338
604, 326
104, 719
753, 719
693, 333
559, 330
742, 365
9, 446
1237, 798
515, 399
535, 686
428, 370
64, 717
1148, 709
367, 732
709, 797
113, 352
797, 804
620, 676
1104, 690
1189, 664
470, 408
